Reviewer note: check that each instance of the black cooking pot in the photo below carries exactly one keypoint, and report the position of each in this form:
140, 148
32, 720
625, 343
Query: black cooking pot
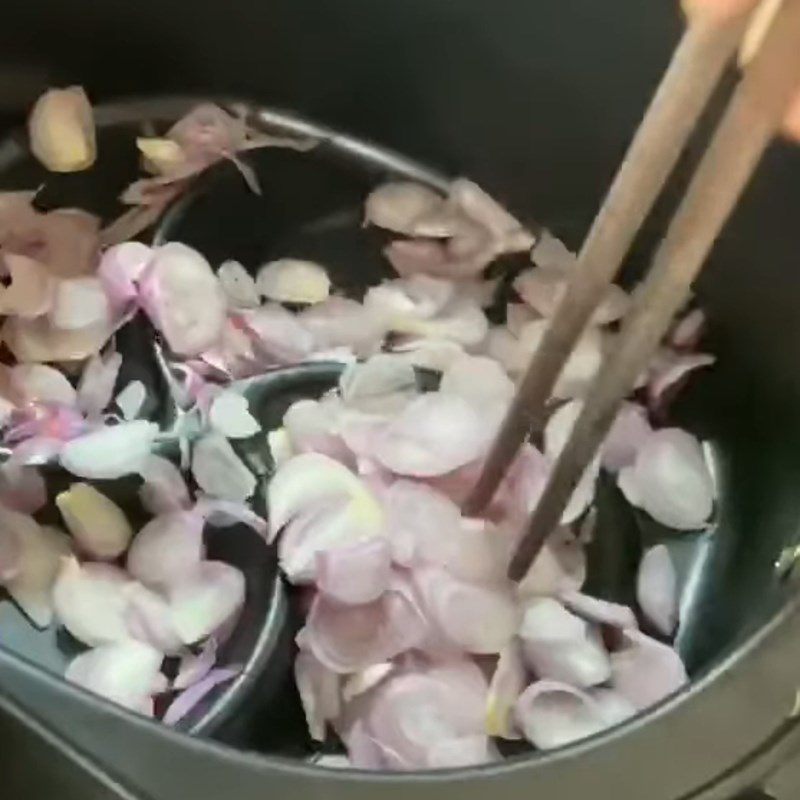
536, 101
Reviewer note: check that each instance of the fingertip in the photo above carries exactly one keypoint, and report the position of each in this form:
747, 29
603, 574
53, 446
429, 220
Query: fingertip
791, 122
716, 10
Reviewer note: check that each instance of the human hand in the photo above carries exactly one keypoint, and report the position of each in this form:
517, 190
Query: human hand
721, 10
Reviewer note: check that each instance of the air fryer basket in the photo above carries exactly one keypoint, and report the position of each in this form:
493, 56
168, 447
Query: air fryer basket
536, 101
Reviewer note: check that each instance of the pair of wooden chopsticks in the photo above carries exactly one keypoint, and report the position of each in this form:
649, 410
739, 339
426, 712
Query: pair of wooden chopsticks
751, 119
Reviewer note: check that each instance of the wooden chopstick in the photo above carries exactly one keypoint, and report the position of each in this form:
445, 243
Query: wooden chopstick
749, 123
691, 77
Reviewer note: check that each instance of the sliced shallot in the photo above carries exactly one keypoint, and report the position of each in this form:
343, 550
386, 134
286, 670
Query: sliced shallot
44, 384
309, 479
127, 673
356, 574
601, 612
183, 298
343, 322
434, 434
670, 368
507, 684
382, 384
645, 671
543, 290
194, 667
627, 436
227, 513
30, 580
10, 555
670, 480
30, 292
239, 285
319, 689
560, 567
37, 340
147, 618
281, 337
480, 619
91, 601
397, 206
131, 399
167, 550
556, 434
219, 471
559, 646
426, 528
79, 303
657, 589
61, 130
164, 488
290, 280
578, 372
110, 452
189, 698
120, 270
22, 488
553, 714
359, 683
205, 600
350, 638
551, 253
481, 381
421, 714
96, 386
97, 524
230, 416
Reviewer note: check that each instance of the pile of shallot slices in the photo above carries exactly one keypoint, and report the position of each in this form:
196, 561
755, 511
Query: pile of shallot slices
416, 652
